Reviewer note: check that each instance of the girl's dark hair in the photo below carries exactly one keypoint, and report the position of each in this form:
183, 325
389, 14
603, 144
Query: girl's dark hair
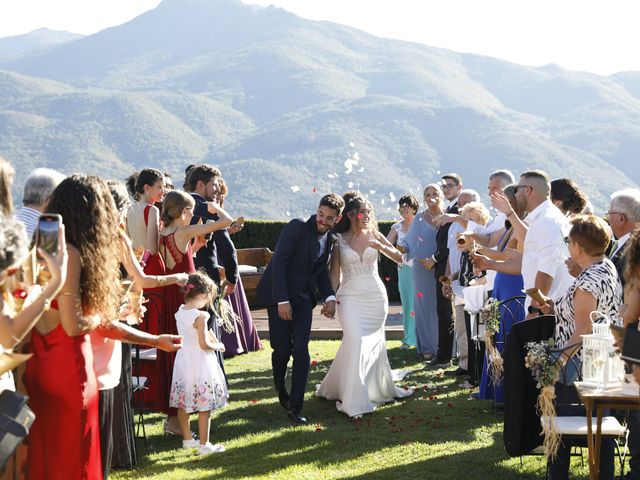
119, 194
90, 219
148, 176
569, 194
199, 283
130, 182
354, 202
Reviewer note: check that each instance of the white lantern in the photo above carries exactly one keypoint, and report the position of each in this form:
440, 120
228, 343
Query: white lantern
601, 365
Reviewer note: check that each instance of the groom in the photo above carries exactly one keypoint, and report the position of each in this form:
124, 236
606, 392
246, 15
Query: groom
298, 268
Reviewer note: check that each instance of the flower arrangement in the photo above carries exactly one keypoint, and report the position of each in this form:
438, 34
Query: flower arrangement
546, 372
225, 313
490, 315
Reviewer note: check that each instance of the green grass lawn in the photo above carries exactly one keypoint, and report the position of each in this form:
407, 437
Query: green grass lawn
438, 433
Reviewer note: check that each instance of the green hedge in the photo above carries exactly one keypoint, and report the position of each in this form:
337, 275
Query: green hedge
261, 233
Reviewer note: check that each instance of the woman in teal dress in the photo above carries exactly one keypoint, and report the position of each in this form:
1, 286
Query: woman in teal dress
421, 245
408, 207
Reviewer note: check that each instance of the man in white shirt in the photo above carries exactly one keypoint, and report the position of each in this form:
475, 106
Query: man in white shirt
545, 250
38, 187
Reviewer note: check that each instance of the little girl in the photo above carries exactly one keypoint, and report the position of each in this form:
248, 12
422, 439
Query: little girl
198, 383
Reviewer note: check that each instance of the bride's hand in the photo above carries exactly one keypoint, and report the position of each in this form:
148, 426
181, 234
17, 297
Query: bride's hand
374, 243
329, 309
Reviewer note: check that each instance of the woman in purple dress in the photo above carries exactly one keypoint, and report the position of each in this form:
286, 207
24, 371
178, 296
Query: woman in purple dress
245, 337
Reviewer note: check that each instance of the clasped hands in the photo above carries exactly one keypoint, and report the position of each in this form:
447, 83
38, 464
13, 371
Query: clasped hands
328, 310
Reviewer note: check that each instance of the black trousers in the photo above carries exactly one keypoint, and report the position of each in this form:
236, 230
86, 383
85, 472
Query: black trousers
217, 331
291, 338
445, 324
476, 353
105, 413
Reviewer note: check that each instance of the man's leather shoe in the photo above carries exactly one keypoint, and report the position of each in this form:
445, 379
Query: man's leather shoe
297, 417
283, 397
459, 372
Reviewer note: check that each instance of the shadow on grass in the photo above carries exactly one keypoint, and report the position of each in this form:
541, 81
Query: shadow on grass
442, 433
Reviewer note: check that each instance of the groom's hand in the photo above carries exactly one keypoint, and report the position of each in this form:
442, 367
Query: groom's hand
284, 311
329, 309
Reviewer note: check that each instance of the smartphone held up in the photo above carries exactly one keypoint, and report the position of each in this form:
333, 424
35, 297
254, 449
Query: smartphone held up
47, 232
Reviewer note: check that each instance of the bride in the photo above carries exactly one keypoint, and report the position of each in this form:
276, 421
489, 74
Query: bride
360, 377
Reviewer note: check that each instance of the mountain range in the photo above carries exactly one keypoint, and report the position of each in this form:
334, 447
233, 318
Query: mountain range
291, 108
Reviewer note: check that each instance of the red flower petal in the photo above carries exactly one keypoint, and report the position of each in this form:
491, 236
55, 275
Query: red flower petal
387, 278
450, 405
253, 402
20, 293
318, 429
315, 189
413, 314
314, 363
420, 294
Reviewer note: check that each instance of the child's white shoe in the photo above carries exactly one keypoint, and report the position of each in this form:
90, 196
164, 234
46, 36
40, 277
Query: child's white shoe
193, 443
208, 448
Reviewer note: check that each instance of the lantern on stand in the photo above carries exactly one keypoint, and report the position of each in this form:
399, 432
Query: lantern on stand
602, 367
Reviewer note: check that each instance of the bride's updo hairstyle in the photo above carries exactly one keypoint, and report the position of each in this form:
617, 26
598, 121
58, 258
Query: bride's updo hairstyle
354, 201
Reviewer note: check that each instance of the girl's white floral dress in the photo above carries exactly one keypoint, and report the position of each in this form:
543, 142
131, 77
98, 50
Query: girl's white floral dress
198, 383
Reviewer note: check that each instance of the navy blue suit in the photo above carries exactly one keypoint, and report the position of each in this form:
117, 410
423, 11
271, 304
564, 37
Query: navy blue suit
297, 269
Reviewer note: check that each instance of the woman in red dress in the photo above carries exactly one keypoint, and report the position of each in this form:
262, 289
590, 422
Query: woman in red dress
143, 227
175, 247
64, 441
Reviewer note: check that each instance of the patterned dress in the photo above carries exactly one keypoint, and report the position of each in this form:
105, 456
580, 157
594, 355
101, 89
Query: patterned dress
602, 281
198, 383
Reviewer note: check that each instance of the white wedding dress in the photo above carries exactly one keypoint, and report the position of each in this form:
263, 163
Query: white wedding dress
360, 377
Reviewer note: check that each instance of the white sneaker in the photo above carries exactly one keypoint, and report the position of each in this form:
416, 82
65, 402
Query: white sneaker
207, 448
193, 443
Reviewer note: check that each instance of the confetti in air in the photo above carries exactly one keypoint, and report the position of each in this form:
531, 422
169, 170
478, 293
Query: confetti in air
295, 188
332, 175
392, 197
352, 145
350, 185
314, 190
372, 192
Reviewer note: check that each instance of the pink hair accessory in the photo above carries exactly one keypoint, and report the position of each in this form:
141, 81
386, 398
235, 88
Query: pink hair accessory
188, 287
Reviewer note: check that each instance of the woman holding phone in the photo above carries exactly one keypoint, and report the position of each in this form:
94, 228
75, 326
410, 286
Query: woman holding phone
60, 377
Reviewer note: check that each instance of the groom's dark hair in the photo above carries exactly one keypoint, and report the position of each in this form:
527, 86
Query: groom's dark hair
199, 173
333, 201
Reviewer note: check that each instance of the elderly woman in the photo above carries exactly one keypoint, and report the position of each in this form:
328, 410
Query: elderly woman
408, 207
596, 289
